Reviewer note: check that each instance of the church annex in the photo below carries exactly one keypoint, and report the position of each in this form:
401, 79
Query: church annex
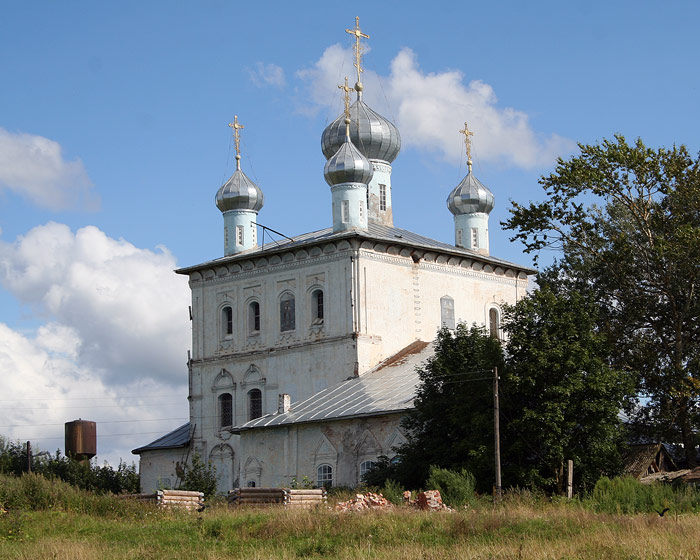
304, 350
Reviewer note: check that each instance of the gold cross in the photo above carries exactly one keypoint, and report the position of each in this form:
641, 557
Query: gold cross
468, 144
236, 127
358, 47
347, 91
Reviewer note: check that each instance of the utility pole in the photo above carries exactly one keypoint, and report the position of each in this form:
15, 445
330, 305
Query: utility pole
496, 437
29, 456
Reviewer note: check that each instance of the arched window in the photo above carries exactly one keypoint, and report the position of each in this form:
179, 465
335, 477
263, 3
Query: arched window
227, 321
287, 322
365, 466
225, 410
324, 476
317, 307
253, 317
447, 312
254, 404
251, 484
494, 323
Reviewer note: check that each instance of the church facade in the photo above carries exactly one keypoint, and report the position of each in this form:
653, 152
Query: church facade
304, 351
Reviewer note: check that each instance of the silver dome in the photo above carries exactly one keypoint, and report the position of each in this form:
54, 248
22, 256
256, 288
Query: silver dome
348, 165
375, 136
470, 196
239, 193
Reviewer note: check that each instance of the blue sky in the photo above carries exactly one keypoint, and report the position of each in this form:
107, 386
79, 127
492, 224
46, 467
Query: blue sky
113, 142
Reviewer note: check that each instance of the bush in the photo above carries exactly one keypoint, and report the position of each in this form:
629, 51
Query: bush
200, 477
627, 495
393, 492
456, 487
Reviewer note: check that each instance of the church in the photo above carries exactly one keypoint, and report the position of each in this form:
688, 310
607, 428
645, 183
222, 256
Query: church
304, 350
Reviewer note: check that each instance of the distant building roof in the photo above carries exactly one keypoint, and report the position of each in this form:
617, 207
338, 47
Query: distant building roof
179, 437
648, 458
376, 232
388, 388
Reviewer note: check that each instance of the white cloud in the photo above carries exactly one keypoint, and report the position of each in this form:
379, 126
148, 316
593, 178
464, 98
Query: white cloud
44, 384
34, 167
267, 75
430, 109
125, 305
116, 331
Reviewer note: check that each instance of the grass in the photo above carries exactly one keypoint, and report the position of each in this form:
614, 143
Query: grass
522, 527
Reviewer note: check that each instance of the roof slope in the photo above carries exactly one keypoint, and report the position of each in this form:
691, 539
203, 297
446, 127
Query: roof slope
390, 387
375, 232
179, 437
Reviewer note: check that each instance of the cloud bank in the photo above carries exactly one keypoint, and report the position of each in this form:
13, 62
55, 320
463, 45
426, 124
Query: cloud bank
267, 75
33, 167
430, 109
116, 330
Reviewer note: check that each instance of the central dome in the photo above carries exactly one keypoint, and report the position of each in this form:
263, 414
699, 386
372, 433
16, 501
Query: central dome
470, 196
375, 136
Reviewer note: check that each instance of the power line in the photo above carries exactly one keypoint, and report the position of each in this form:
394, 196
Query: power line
97, 398
96, 421
95, 406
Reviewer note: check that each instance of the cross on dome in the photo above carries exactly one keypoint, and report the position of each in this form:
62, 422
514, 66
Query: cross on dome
468, 144
346, 89
358, 51
236, 126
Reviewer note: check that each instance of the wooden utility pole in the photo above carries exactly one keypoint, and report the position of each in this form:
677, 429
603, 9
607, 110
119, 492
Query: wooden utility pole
569, 479
29, 456
496, 437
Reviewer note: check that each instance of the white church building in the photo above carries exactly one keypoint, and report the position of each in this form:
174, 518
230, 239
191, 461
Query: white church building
304, 350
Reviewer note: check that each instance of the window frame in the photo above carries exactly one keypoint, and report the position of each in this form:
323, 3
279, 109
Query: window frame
254, 318
382, 197
227, 321
494, 323
287, 312
225, 410
327, 474
255, 393
445, 310
317, 306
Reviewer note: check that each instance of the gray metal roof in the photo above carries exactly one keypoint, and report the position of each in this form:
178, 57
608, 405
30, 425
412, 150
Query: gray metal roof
375, 136
348, 165
390, 387
470, 196
375, 232
179, 437
239, 193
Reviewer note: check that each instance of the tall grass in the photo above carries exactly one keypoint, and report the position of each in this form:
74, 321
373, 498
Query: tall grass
628, 495
456, 487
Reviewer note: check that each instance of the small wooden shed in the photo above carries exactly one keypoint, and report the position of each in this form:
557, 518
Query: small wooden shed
645, 459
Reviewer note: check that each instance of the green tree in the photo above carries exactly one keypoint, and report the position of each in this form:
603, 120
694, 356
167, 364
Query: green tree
200, 477
560, 398
451, 426
626, 219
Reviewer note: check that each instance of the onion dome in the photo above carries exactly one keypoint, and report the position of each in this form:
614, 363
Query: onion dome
239, 192
347, 165
375, 136
470, 196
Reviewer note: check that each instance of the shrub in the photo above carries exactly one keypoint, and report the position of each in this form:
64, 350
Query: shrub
200, 477
393, 492
456, 487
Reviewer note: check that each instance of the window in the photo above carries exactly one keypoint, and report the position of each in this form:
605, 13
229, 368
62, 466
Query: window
362, 210
475, 238
317, 307
382, 197
447, 312
253, 317
494, 323
324, 476
345, 211
225, 410
254, 404
287, 322
251, 484
459, 237
227, 321
364, 467
239, 235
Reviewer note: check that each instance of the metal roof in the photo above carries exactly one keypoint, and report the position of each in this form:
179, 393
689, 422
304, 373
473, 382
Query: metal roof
179, 437
390, 387
374, 232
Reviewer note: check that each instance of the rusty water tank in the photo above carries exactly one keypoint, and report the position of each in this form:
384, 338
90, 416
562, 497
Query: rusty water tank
81, 439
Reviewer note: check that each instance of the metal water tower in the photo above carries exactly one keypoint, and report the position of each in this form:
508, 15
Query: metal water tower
81, 439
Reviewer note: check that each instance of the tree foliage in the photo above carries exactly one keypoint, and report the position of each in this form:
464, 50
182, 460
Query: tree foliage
200, 477
626, 219
561, 399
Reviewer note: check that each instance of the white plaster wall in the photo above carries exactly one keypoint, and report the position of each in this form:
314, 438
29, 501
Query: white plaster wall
297, 451
157, 468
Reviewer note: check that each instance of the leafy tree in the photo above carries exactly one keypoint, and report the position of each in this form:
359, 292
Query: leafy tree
627, 221
560, 398
200, 477
451, 426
